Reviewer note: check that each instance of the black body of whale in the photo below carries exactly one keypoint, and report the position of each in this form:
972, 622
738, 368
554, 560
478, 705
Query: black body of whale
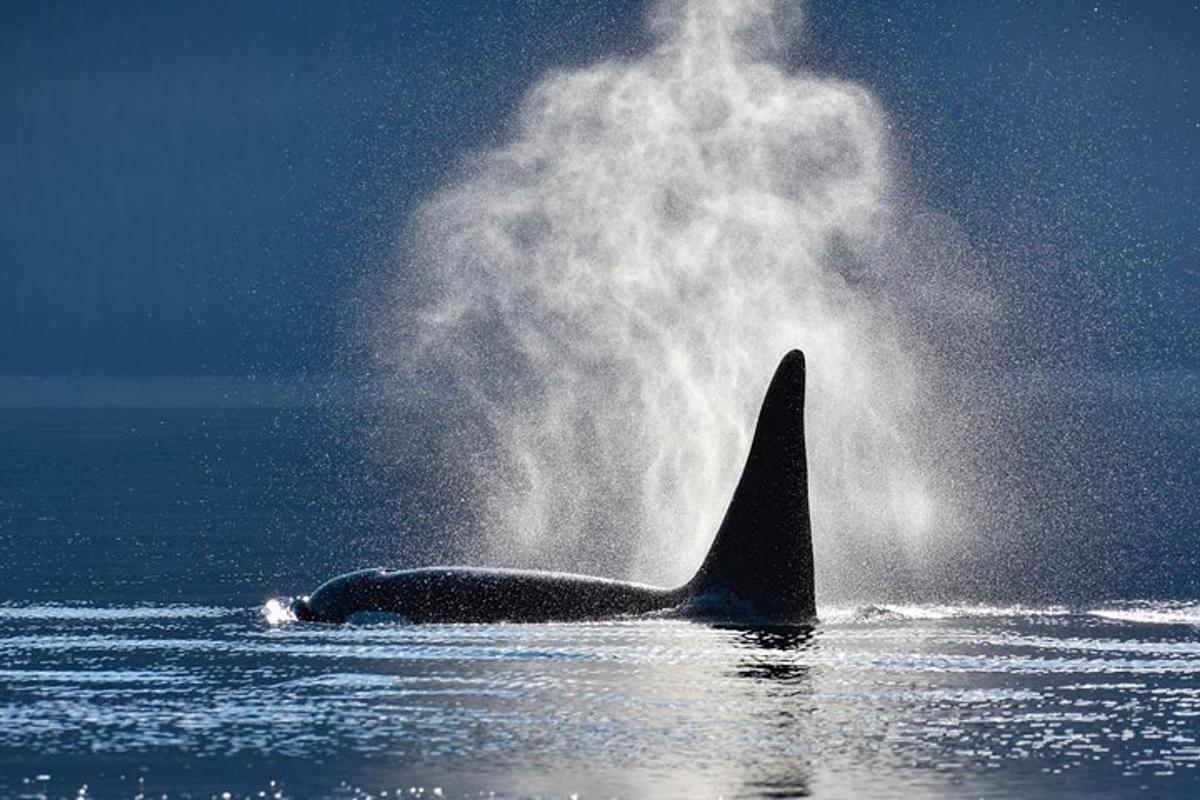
760, 565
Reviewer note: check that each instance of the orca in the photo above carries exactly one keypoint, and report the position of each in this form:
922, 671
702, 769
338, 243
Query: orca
759, 568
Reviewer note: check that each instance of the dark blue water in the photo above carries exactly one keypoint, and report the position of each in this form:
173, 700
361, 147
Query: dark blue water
140, 545
172, 503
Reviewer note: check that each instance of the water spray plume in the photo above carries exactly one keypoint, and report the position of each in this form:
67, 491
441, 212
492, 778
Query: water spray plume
600, 301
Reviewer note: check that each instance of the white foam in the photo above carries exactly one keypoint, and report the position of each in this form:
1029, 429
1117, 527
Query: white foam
888, 611
1165, 614
277, 611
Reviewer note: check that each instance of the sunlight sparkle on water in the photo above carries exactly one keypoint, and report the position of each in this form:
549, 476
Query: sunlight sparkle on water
986, 700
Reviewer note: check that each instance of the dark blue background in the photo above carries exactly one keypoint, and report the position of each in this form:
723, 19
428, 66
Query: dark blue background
199, 188
194, 188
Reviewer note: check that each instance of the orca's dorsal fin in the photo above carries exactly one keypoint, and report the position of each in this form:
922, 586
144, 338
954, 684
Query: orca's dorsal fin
763, 550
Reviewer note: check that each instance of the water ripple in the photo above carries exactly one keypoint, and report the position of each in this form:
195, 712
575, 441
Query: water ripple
1000, 704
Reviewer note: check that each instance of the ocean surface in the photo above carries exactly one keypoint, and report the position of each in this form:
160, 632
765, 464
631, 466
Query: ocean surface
141, 655
200, 701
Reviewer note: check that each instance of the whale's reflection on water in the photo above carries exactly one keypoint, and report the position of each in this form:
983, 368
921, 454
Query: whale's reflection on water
797, 638
202, 700
777, 660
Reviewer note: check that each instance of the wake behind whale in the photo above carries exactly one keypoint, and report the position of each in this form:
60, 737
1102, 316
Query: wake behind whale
761, 557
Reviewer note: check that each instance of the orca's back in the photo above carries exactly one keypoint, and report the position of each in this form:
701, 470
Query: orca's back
763, 550
762, 553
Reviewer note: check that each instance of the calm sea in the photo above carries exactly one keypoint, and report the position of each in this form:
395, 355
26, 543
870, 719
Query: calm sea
138, 659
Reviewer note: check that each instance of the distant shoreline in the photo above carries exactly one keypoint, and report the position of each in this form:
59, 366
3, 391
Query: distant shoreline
98, 392
23, 391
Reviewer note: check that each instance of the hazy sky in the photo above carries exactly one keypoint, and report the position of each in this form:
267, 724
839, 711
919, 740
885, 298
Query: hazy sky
199, 188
